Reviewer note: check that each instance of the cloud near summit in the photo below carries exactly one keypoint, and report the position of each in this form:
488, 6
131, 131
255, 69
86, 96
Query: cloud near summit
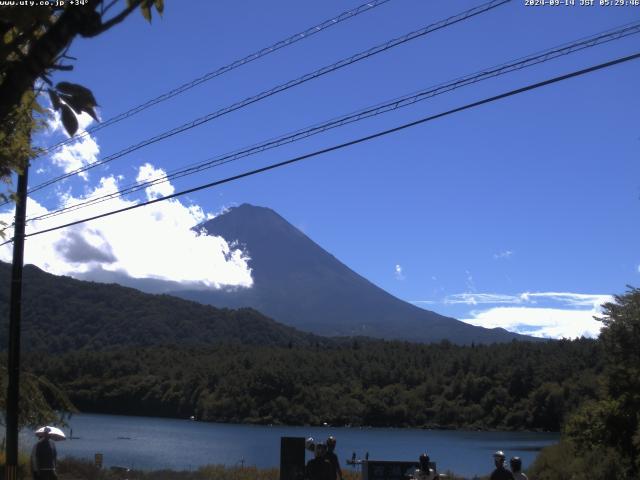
156, 241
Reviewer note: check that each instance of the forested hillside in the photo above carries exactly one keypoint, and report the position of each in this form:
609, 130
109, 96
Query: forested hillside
61, 314
509, 386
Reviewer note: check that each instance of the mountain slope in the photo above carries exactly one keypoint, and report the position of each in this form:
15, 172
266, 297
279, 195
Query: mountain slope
300, 284
62, 314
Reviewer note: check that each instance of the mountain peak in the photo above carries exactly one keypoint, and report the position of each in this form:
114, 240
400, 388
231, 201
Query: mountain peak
244, 208
250, 225
300, 284
247, 216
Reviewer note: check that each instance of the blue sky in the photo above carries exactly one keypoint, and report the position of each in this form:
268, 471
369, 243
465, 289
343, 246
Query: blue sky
522, 213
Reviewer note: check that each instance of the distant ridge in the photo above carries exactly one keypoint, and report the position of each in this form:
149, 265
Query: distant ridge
61, 314
299, 284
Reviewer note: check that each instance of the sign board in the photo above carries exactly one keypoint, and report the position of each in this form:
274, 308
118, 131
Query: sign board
292, 458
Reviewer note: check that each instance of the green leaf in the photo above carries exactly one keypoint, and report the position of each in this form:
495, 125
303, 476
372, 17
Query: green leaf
145, 8
83, 94
69, 120
78, 105
72, 102
93, 114
55, 99
159, 6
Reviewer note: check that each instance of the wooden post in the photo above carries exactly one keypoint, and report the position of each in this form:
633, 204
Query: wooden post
15, 316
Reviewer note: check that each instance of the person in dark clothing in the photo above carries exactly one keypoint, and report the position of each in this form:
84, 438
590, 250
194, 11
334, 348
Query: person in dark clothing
319, 467
333, 458
425, 472
516, 469
500, 473
44, 458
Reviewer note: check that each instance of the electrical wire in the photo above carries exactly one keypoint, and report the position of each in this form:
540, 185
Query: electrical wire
282, 87
346, 144
365, 7
391, 105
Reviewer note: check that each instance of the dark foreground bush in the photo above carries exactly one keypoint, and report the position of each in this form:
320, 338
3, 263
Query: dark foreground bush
563, 462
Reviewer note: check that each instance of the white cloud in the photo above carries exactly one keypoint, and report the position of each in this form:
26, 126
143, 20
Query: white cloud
638, 268
541, 314
564, 299
156, 241
480, 298
503, 255
539, 322
568, 299
79, 153
398, 273
146, 173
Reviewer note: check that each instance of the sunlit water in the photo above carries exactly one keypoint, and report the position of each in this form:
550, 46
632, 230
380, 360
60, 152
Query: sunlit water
154, 443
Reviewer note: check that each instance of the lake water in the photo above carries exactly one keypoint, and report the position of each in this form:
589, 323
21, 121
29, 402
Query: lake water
153, 443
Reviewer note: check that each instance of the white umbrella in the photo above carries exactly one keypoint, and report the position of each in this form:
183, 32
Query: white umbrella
54, 432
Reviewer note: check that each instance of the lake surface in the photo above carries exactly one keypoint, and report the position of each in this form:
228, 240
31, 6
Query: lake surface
154, 443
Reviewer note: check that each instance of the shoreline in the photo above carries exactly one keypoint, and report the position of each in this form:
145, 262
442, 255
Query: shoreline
433, 427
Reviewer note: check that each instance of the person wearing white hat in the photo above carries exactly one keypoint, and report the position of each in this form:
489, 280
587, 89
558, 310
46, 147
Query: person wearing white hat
500, 473
44, 458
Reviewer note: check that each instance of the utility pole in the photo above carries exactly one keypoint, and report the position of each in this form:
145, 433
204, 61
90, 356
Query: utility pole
15, 316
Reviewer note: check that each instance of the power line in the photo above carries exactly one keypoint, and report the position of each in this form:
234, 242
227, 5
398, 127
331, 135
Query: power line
407, 100
347, 144
365, 7
282, 87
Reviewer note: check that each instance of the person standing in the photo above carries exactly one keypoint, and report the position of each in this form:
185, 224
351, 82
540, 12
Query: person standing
516, 468
425, 472
319, 467
500, 473
44, 458
333, 458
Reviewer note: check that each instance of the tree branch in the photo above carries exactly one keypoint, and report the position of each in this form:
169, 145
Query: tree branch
108, 7
20, 42
115, 20
21, 75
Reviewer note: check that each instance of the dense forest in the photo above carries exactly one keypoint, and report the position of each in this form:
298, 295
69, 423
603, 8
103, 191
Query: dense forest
505, 386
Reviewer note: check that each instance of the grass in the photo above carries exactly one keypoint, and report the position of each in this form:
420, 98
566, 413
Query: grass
76, 469
73, 469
